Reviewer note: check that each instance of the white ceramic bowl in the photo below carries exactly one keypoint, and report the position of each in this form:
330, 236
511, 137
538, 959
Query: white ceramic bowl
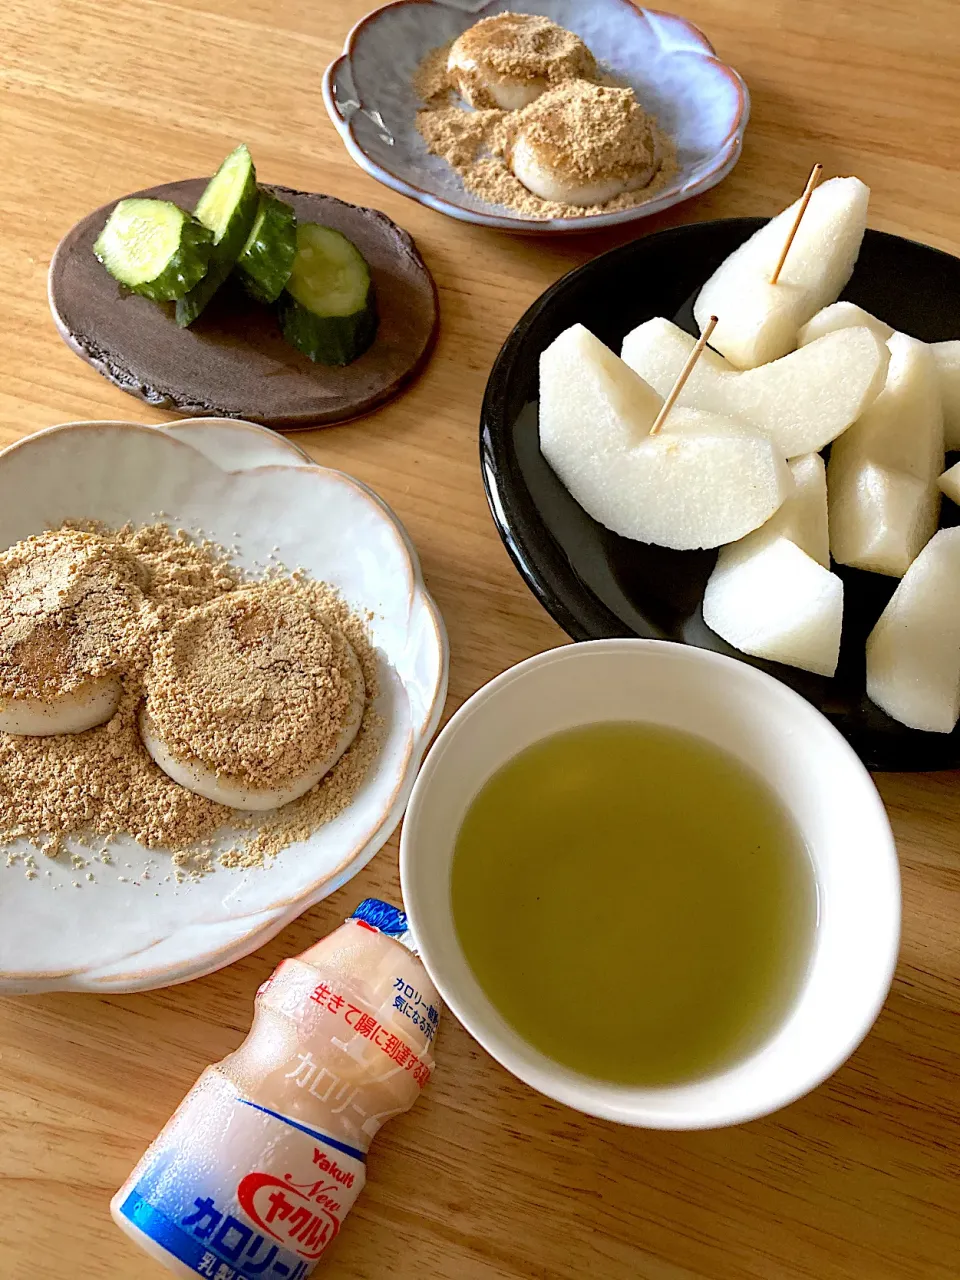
771, 729
134, 927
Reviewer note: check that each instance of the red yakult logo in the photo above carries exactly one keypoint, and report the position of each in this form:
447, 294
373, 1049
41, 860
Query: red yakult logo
304, 1217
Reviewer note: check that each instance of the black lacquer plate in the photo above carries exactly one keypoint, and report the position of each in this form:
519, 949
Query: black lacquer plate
596, 583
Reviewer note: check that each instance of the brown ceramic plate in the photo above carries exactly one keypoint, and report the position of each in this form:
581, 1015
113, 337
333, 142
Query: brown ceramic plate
233, 361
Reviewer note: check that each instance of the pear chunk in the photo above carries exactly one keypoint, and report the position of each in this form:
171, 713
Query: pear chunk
759, 320
882, 475
802, 401
803, 516
702, 481
949, 483
770, 602
774, 601
947, 356
844, 315
913, 653
903, 427
880, 519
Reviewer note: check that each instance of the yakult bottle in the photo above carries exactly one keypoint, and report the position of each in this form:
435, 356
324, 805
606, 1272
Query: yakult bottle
253, 1175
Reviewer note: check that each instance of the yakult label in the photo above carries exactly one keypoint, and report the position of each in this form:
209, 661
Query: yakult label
236, 1191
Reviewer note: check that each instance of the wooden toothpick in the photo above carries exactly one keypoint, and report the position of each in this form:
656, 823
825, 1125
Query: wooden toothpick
816, 173
685, 373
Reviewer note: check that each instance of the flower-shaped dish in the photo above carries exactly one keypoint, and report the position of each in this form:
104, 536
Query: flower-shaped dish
125, 931
698, 100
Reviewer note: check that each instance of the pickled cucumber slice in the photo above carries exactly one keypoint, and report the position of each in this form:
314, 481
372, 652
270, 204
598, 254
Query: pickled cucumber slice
328, 310
227, 207
266, 260
154, 248
192, 303
228, 204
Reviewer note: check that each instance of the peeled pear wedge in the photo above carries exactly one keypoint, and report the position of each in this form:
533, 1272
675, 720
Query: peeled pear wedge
802, 518
702, 481
774, 601
903, 427
949, 483
802, 401
880, 520
947, 356
844, 315
913, 653
882, 475
759, 320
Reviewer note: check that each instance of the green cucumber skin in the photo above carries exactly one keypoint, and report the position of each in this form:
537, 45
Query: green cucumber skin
224, 252
329, 340
228, 247
192, 304
183, 271
266, 260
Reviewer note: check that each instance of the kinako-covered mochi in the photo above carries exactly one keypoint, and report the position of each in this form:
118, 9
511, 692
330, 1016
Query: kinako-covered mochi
252, 698
102, 783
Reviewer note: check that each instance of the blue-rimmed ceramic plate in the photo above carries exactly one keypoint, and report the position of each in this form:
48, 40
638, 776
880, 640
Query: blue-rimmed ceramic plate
698, 100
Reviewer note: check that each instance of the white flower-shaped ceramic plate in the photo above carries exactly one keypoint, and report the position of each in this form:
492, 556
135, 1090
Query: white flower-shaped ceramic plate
699, 101
224, 476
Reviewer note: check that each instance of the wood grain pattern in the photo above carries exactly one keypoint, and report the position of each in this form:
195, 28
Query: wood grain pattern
483, 1179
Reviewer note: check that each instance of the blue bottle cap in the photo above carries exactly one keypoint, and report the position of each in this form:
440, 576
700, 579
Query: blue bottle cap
385, 918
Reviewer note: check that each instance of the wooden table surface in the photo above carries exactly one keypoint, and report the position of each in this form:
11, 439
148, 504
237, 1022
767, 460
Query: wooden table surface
484, 1178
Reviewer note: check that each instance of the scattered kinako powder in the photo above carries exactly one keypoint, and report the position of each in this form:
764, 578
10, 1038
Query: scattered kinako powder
102, 782
477, 143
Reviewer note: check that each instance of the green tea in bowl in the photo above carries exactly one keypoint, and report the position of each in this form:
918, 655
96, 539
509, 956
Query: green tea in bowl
655, 883
635, 902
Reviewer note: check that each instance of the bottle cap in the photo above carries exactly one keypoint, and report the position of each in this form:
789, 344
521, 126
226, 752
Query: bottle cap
384, 917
